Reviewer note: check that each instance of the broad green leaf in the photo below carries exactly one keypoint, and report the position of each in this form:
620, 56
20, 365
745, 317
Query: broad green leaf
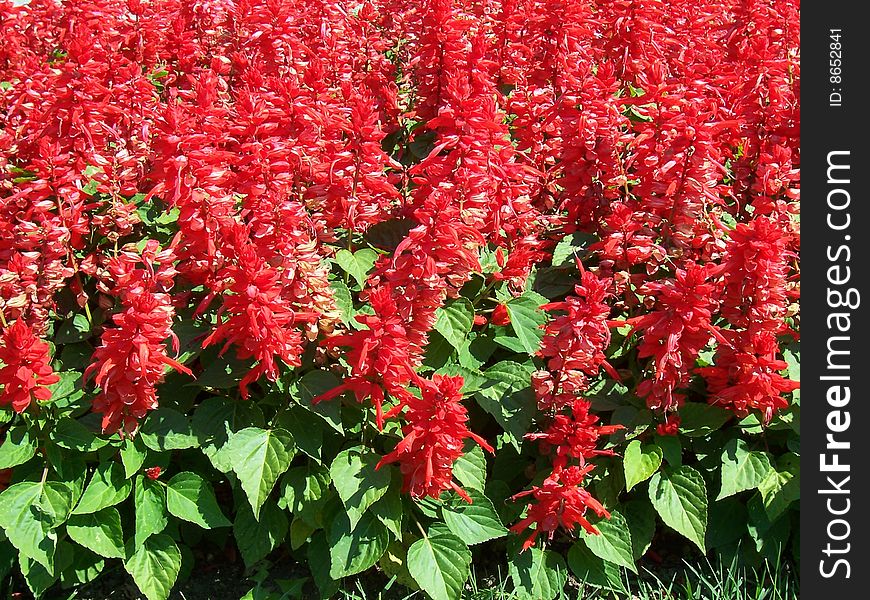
154, 566
343, 300
108, 487
672, 448
190, 497
313, 384
214, 422
389, 509
680, 498
86, 566
508, 397
18, 447
727, 522
641, 519
306, 429
149, 499
133, 453
222, 372
357, 264
613, 542
320, 564
698, 419
27, 526
36, 576
75, 329
742, 469
470, 468
353, 550
571, 245
454, 321
260, 457
100, 532
527, 319
358, 482
257, 538
304, 492
537, 574
167, 429
440, 563
640, 462
72, 435
592, 570
474, 523
781, 487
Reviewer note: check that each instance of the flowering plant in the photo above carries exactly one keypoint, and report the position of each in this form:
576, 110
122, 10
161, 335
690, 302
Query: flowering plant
390, 282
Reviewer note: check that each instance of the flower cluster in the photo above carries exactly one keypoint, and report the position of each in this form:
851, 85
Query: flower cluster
308, 183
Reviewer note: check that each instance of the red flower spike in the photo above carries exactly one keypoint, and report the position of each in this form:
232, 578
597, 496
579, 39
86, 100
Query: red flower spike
26, 370
435, 433
500, 316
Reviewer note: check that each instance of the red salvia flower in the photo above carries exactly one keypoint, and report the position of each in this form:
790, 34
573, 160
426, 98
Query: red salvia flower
559, 502
435, 432
25, 372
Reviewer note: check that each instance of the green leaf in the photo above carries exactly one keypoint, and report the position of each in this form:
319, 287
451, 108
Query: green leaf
640, 462
257, 538
18, 447
537, 574
72, 435
727, 522
591, 569
508, 397
313, 384
781, 487
613, 543
214, 422
470, 468
304, 492
440, 563
358, 483
133, 453
475, 523
86, 566
641, 519
742, 469
343, 300
698, 419
320, 564
100, 532
167, 429
571, 245
389, 509
149, 498
672, 448
29, 513
680, 498
75, 329
353, 550
36, 576
527, 319
358, 264
154, 566
190, 497
107, 487
222, 372
306, 429
454, 321
260, 456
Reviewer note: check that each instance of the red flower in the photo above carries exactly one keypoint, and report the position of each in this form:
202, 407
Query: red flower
559, 502
26, 370
574, 435
500, 315
671, 426
153, 473
435, 434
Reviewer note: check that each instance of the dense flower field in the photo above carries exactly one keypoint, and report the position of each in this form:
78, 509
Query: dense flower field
391, 282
